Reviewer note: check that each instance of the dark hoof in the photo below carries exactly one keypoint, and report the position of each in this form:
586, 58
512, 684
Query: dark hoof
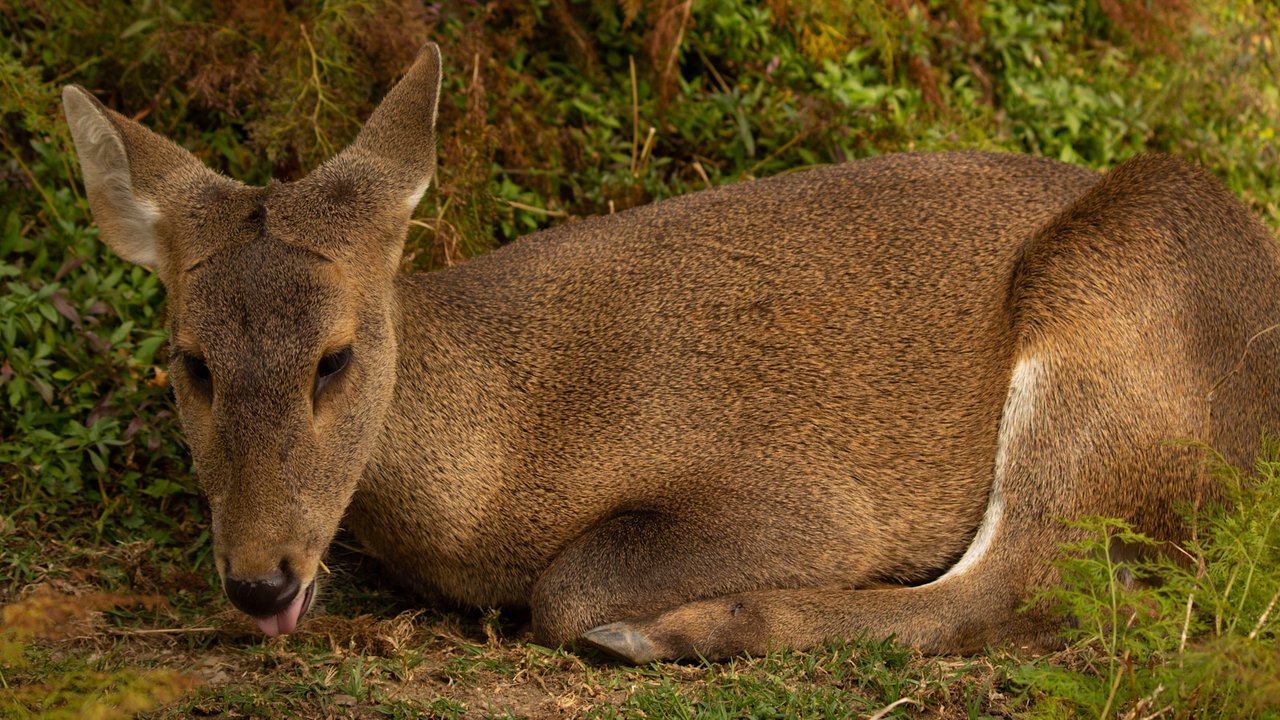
624, 641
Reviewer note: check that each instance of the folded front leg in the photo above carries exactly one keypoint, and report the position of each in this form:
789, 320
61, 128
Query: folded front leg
639, 564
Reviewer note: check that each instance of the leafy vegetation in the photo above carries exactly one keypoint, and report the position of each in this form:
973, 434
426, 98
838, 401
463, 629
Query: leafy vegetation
1193, 636
555, 109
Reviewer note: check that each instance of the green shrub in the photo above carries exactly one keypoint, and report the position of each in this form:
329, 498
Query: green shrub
1195, 633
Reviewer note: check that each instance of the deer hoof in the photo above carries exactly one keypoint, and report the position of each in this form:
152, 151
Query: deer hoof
623, 640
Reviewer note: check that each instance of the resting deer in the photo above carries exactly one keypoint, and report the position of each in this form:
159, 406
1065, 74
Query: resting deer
858, 399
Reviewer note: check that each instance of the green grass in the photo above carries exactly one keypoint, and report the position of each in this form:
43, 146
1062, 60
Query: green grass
541, 121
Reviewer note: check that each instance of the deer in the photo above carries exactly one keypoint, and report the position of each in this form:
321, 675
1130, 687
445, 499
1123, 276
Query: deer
854, 400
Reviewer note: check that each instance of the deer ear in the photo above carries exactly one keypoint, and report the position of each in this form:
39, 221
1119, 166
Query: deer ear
130, 174
398, 143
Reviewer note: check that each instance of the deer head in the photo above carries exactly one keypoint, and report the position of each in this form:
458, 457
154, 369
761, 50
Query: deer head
281, 319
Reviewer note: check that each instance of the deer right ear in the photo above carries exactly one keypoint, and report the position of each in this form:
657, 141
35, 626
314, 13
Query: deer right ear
129, 174
399, 139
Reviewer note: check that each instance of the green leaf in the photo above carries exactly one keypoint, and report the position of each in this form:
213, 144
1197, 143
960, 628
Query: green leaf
146, 349
97, 461
137, 27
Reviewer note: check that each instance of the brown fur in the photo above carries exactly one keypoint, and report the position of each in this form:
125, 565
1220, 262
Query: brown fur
701, 425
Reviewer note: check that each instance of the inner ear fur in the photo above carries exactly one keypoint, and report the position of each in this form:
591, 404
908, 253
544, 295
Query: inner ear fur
133, 177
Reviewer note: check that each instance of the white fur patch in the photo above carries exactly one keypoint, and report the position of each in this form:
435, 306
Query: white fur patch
1019, 408
412, 200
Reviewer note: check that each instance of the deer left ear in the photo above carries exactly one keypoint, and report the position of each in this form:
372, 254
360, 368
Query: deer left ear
131, 175
125, 218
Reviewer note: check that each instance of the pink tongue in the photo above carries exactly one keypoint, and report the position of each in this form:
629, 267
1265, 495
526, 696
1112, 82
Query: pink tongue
284, 621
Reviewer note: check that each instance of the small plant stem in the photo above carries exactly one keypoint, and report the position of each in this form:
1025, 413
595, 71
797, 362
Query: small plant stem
165, 631
1186, 624
1240, 362
785, 147
1225, 600
1262, 619
882, 712
702, 173
532, 208
648, 148
1147, 701
106, 513
349, 547
1248, 582
724, 86
71, 177
102, 491
635, 115
1117, 675
1112, 584
35, 182
321, 140
1098, 617
62, 77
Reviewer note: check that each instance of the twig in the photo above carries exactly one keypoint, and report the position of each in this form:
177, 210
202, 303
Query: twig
321, 101
685, 12
71, 176
349, 547
648, 147
785, 147
1186, 623
475, 71
1262, 620
724, 86
877, 715
531, 208
635, 114
1226, 595
1239, 363
1182, 550
165, 631
1115, 686
697, 167
447, 242
1145, 703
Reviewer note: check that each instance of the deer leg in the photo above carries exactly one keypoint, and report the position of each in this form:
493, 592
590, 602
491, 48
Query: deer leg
952, 616
1075, 439
638, 564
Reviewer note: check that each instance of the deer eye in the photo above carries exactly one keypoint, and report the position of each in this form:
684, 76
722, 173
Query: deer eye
330, 367
199, 373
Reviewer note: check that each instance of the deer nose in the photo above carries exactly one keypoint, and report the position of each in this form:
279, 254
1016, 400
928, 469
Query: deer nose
263, 596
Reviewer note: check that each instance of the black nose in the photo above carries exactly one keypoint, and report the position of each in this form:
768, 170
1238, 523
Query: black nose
263, 596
